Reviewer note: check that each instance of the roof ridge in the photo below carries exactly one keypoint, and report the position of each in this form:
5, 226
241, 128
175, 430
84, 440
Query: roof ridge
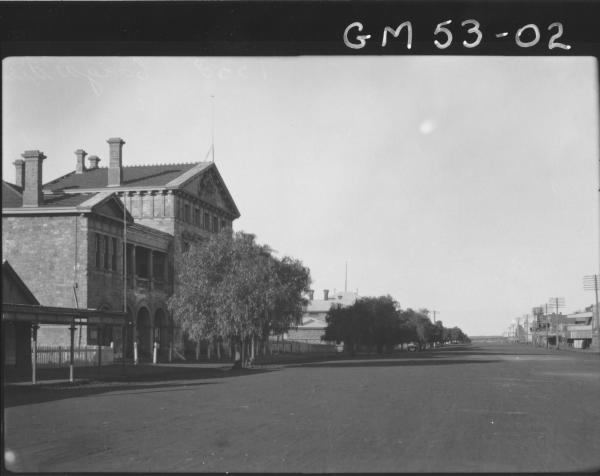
159, 165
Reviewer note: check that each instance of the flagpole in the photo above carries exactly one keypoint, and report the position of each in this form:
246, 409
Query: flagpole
213, 127
346, 279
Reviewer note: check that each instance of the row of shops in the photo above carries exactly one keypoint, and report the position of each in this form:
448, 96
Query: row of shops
576, 330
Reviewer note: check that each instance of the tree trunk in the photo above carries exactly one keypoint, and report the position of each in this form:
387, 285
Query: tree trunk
218, 350
252, 351
237, 350
208, 350
243, 354
198, 350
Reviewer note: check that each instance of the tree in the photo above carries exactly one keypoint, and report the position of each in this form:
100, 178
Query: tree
457, 335
231, 287
370, 322
342, 326
406, 331
423, 327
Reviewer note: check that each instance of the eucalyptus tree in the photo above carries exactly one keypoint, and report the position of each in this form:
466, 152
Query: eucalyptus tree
230, 287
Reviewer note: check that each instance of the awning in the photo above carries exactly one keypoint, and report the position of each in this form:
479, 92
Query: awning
60, 315
583, 334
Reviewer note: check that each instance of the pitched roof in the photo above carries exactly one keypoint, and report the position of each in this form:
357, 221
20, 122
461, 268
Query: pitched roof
133, 176
342, 298
12, 197
312, 322
9, 274
71, 200
12, 203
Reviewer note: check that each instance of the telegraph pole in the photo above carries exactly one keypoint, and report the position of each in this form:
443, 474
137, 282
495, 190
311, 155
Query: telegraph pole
537, 312
590, 283
556, 302
547, 326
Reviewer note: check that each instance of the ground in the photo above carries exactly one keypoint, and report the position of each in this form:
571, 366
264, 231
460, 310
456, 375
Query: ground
461, 408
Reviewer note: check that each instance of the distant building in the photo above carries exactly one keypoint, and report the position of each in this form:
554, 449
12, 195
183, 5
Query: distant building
313, 321
111, 238
578, 328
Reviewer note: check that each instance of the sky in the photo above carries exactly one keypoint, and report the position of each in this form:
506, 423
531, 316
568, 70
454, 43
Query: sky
468, 185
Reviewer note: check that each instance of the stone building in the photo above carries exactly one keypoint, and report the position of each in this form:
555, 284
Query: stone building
313, 320
67, 239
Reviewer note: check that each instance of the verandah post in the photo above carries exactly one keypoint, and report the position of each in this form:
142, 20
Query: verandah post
34, 329
72, 330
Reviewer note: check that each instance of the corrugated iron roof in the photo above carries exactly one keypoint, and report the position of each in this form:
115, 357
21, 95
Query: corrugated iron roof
12, 197
133, 176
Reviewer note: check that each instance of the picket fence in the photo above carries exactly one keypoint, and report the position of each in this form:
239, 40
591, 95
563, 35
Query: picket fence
299, 347
59, 356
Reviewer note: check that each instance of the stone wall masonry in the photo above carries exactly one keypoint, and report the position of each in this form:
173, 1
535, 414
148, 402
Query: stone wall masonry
45, 253
152, 210
158, 205
135, 205
50, 334
147, 205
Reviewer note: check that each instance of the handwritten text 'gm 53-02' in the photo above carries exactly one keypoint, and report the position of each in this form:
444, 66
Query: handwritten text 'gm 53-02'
525, 37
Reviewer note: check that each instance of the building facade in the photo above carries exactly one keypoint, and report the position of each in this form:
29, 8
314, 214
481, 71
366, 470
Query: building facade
110, 238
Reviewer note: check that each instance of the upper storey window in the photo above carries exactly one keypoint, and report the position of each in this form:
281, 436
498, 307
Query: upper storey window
98, 250
106, 252
114, 254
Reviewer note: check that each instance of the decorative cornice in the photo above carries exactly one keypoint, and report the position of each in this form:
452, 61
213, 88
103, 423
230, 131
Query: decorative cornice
44, 211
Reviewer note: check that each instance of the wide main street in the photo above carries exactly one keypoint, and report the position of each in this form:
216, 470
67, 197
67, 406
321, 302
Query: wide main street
479, 407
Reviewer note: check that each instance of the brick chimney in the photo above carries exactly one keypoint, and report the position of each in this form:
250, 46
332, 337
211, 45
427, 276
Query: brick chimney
325, 294
115, 164
19, 172
32, 188
93, 160
311, 294
80, 166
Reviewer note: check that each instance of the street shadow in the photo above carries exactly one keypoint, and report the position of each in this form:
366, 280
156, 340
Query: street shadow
130, 380
15, 396
391, 362
494, 349
448, 355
